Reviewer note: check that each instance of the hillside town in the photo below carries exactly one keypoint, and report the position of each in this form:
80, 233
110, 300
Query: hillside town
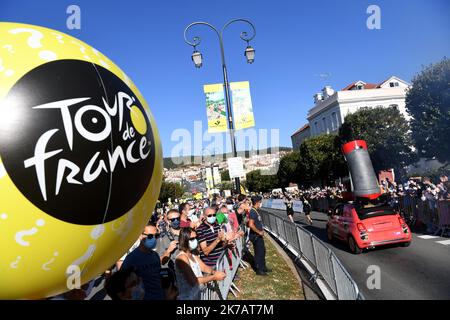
266, 162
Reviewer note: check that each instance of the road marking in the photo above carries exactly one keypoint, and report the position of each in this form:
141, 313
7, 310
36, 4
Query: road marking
428, 237
445, 242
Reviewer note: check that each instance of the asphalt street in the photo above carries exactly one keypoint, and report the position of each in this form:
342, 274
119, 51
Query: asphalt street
420, 271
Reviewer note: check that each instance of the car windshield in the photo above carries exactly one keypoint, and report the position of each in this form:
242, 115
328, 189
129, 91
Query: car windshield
365, 212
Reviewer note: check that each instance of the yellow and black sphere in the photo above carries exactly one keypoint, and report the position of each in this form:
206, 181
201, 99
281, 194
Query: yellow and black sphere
80, 162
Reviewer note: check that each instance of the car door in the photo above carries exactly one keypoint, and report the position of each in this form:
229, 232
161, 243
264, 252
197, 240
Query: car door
335, 220
346, 222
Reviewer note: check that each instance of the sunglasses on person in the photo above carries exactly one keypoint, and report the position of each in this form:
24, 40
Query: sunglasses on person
151, 236
174, 219
211, 215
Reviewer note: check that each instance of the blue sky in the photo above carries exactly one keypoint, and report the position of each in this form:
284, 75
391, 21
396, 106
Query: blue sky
296, 41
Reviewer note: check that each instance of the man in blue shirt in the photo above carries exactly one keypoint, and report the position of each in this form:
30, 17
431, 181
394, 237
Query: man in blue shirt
147, 263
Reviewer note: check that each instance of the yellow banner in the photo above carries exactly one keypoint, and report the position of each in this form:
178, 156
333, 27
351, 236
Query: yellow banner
242, 105
215, 108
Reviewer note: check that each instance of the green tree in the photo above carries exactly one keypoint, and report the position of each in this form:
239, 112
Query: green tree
387, 134
321, 158
225, 175
288, 171
170, 190
226, 185
256, 182
428, 102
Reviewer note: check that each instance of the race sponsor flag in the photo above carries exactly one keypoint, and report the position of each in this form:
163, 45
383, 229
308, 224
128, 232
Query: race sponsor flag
243, 191
216, 175
215, 108
242, 105
209, 178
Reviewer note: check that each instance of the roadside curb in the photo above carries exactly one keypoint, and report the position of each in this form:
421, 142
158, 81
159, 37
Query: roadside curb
308, 293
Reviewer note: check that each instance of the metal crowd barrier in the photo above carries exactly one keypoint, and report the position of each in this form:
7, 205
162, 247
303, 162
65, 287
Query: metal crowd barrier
435, 214
444, 216
229, 262
323, 265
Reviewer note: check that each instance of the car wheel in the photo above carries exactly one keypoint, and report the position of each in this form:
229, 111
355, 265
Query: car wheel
353, 245
405, 244
329, 234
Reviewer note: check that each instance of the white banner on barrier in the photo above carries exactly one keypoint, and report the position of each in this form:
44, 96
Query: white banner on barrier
279, 204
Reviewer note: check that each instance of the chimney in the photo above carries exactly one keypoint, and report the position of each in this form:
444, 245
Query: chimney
318, 97
327, 92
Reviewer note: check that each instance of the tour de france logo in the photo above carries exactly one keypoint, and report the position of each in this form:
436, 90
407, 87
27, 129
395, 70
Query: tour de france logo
77, 143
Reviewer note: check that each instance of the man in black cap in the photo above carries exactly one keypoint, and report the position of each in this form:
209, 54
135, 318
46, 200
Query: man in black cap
257, 237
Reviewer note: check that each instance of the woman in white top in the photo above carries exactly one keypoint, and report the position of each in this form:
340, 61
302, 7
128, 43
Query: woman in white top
189, 268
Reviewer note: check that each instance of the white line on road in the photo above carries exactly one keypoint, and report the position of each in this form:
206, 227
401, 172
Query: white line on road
428, 237
444, 242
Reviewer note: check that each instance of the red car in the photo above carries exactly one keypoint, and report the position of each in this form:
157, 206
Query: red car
366, 227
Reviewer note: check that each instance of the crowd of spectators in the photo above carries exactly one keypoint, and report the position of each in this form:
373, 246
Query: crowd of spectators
422, 188
421, 200
310, 193
412, 198
175, 256
419, 188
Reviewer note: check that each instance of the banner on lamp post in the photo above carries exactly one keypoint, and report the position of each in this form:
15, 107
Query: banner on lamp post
215, 108
242, 105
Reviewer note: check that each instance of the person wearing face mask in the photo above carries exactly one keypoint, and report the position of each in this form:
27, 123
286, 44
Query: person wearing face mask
211, 238
147, 263
228, 221
224, 222
192, 216
125, 284
167, 246
184, 210
190, 269
232, 217
257, 237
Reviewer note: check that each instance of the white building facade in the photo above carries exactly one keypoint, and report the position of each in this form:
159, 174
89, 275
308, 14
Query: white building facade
299, 136
331, 106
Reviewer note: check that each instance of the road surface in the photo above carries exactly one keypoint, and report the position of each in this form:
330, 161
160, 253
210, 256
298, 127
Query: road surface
420, 271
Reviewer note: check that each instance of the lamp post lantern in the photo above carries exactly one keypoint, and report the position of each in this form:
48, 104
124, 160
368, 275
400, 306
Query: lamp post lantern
197, 59
250, 54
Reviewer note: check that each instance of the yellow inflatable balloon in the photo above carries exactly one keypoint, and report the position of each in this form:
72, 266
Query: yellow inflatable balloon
80, 162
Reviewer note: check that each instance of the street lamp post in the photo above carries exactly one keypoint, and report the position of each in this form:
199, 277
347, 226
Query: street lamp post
212, 175
197, 59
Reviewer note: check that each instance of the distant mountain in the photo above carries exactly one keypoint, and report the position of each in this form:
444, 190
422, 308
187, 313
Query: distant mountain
178, 162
